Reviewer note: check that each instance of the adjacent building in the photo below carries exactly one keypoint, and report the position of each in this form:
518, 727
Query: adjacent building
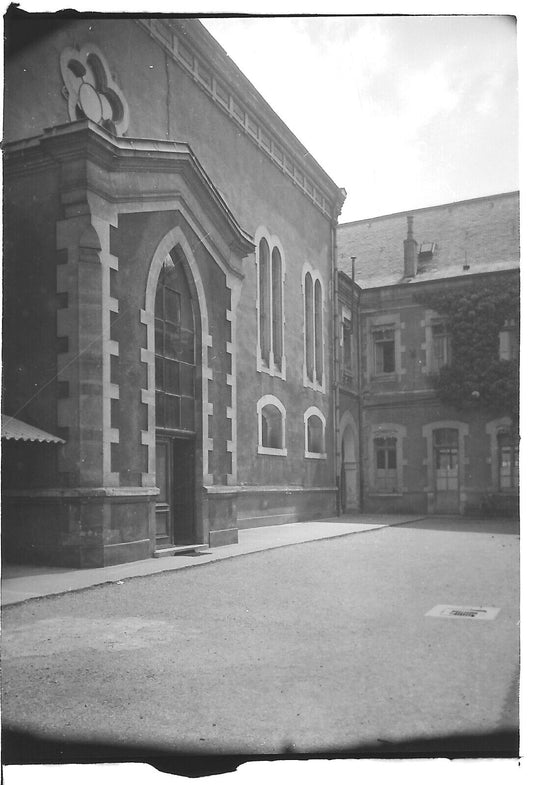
168, 295
438, 302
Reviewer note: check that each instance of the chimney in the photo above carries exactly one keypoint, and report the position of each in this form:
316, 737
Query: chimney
410, 247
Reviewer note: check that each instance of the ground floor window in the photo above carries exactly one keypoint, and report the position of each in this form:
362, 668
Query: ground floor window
508, 469
271, 426
271, 435
386, 464
446, 447
315, 433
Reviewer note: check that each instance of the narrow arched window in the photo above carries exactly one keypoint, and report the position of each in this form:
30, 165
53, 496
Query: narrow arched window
277, 323
264, 300
318, 331
309, 328
313, 328
270, 350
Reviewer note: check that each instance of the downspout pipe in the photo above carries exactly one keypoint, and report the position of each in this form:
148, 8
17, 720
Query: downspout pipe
335, 375
352, 322
335, 343
360, 419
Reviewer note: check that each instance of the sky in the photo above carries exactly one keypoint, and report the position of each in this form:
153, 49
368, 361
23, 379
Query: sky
403, 112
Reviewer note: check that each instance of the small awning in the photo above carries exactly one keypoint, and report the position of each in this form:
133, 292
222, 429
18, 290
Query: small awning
21, 431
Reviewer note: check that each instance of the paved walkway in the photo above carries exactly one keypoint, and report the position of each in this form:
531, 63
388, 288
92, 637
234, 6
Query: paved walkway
24, 582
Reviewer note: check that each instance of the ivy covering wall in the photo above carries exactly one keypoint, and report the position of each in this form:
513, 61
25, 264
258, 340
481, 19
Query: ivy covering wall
476, 377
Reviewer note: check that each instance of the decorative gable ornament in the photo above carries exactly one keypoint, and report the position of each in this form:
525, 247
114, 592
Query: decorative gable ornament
91, 91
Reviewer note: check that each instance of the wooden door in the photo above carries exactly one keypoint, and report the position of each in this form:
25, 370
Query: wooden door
164, 508
183, 482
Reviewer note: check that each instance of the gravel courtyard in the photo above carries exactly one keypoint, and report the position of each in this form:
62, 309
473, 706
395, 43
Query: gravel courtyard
317, 646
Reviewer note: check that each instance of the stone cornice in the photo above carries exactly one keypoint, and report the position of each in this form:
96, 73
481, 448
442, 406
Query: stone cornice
75, 145
193, 48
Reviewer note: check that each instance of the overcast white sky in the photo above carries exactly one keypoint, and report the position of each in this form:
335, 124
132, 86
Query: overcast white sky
403, 112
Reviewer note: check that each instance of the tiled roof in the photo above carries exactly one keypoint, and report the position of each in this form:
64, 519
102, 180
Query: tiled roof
481, 233
21, 431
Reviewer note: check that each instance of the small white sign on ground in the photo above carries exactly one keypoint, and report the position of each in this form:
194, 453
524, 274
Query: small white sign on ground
463, 612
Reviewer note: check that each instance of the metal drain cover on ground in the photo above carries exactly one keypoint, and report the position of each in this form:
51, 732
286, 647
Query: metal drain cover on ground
463, 612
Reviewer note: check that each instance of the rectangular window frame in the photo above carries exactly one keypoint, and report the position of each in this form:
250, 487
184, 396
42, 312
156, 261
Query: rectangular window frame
386, 477
384, 339
441, 347
509, 343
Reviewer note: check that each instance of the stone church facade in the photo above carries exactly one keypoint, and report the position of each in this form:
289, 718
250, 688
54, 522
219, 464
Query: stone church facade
168, 279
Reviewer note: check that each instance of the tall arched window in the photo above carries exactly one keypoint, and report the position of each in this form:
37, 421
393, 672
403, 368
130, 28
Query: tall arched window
313, 329
277, 315
175, 362
264, 300
318, 331
309, 328
270, 277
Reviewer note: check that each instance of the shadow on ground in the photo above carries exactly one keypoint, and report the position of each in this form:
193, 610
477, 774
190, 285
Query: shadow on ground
20, 747
470, 525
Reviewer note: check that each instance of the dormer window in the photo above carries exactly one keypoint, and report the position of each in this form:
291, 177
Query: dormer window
425, 253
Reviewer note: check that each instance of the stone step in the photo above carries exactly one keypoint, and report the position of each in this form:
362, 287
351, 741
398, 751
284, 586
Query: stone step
171, 550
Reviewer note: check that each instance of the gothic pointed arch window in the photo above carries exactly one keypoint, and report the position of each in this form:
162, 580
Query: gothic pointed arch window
175, 354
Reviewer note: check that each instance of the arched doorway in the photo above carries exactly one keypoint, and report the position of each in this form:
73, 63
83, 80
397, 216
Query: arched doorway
349, 465
177, 399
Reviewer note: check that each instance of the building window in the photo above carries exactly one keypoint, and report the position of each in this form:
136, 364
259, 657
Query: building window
386, 464
508, 469
271, 416
264, 300
175, 369
440, 345
271, 427
270, 307
309, 328
384, 350
347, 350
509, 340
315, 433
313, 330
446, 451
277, 315
318, 332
